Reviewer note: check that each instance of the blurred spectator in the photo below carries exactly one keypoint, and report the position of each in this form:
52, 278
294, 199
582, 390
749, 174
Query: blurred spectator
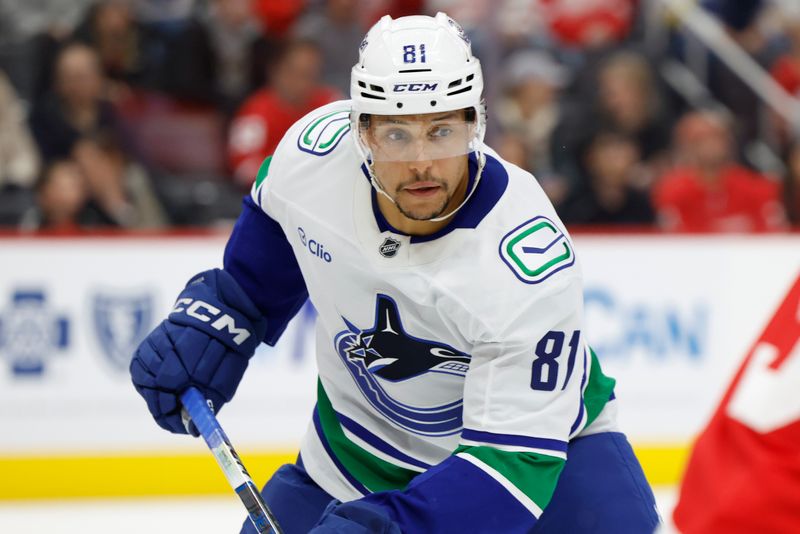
30, 34
338, 32
511, 148
64, 201
130, 55
76, 109
61, 200
278, 16
791, 185
76, 123
629, 99
738, 15
589, 23
741, 21
265, 116
708, 190
607, 194
20, 21
626, 99
239, 49
375, 9
786, 69
19, 159
529, 108
162, 11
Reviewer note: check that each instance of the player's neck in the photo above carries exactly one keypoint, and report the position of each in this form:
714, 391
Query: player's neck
400, 222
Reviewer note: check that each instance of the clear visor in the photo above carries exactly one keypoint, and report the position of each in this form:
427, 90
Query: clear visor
409, 139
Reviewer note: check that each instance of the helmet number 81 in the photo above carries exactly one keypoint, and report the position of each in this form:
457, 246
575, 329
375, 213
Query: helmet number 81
410, 53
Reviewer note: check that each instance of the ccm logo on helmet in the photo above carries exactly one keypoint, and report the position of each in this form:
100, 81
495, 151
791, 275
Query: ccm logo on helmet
205, 312
415, 87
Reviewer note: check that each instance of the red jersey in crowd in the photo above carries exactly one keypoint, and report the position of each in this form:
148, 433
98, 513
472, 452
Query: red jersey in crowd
278, 16
786, 72
588, 22
740, 201
259, 126
744, 473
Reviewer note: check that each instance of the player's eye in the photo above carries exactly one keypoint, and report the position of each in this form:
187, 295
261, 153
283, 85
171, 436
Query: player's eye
440, 132
396, 135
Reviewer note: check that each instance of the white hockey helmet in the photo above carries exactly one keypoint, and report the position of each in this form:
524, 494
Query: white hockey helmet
416, 65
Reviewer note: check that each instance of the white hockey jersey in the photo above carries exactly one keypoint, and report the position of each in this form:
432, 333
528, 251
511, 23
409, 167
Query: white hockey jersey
464, 344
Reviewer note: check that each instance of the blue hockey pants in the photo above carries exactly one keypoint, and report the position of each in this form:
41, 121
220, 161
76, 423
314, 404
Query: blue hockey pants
602, 490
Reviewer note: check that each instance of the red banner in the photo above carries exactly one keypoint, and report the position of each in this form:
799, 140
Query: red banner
744, 472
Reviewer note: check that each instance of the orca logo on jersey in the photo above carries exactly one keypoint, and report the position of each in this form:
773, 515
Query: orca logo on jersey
386, 352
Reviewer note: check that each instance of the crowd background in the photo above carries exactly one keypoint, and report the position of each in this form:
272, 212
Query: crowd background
146, 114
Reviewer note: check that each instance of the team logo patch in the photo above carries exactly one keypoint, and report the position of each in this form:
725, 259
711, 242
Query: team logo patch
381, 357
323, 134
536, 249
120, 323
388, 248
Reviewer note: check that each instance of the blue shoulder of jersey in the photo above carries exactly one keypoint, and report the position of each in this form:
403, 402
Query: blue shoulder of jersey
262, 261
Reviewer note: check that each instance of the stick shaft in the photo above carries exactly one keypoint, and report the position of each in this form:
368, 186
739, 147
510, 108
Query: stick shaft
238, 477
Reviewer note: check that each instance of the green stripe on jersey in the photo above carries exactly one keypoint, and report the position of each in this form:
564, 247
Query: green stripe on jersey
597, 391
373, 472
535, 475
263, 170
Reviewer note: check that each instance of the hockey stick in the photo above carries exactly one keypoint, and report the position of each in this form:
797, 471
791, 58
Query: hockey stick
238, 477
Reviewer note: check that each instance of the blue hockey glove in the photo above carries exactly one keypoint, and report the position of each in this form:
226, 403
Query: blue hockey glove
206, 342
354, 517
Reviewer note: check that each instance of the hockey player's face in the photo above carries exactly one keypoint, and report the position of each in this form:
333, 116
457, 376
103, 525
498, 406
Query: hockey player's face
421, 161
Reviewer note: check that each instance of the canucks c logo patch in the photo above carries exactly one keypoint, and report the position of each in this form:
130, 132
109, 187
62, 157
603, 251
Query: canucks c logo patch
384, 360
323, 134
536, 249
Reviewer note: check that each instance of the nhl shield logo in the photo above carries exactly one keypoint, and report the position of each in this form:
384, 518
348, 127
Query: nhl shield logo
120, 323
388, 248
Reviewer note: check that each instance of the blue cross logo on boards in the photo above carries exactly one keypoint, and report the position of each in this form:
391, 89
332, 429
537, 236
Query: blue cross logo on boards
121, 322
30, 332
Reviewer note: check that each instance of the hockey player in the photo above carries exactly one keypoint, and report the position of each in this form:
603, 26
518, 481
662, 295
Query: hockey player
456, 389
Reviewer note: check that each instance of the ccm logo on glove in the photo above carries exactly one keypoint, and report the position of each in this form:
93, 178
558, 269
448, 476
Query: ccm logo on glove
199, 309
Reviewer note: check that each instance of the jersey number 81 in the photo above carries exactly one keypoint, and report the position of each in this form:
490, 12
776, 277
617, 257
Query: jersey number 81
544, 372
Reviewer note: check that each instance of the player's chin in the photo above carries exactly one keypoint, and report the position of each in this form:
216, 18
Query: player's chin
423, 210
